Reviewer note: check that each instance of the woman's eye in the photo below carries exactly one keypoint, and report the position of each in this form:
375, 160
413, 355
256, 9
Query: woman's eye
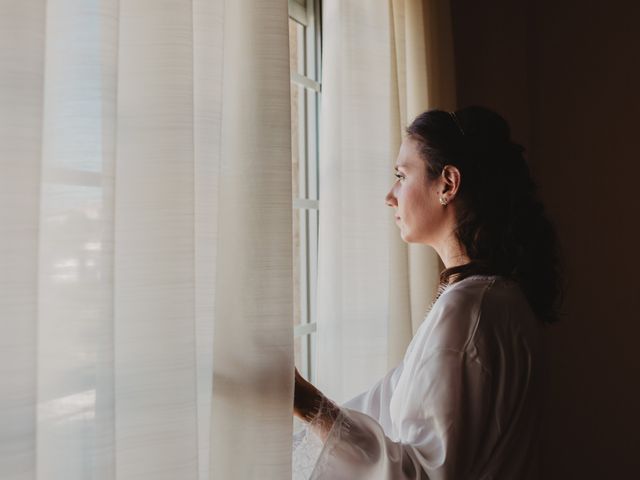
397, 175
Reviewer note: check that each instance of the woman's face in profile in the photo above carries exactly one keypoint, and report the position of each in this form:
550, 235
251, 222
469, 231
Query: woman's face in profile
414, 197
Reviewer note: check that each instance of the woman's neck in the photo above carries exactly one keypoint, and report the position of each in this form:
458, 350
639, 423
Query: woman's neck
452, 253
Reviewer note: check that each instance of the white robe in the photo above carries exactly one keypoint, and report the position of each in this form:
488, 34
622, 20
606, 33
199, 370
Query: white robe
461, 405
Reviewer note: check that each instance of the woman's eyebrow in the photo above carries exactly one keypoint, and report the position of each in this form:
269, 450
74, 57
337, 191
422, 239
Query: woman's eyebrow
401, 165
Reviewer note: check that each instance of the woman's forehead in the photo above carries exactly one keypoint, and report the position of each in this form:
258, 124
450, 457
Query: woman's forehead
408, 156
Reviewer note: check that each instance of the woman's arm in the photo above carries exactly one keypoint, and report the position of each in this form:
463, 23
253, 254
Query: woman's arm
439, 414
312, 407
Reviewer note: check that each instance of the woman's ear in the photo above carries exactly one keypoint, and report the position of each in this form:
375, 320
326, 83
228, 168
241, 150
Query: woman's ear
450, 181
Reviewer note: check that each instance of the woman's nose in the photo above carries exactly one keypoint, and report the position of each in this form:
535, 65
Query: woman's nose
390, 199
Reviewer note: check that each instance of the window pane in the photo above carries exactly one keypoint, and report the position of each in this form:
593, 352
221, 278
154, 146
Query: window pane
312, 261
301, 354
296, 47
297, 349
296, 267
297, 135
299, 127
310, 143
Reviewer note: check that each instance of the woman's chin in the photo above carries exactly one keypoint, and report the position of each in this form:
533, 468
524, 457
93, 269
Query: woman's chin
405, 236
408, 237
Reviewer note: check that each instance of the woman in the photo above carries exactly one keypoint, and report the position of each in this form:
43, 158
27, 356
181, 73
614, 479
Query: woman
463, 402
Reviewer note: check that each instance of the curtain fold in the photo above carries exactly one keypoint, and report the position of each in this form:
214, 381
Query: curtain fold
253, 336
145, 241
384, 62
21, 23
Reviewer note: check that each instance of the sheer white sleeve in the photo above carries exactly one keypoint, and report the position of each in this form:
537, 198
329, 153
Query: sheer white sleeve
434, 424
310, 438
307, 447
307, 444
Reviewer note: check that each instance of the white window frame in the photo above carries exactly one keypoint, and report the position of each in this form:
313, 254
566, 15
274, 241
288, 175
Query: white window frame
308, 14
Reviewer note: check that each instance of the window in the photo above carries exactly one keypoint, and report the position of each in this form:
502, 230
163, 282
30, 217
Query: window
305, 56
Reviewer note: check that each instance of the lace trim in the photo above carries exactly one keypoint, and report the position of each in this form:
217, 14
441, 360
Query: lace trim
349, 451
309, 444
307, 447
326, 466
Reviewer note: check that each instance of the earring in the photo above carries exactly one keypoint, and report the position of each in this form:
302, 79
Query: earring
443, 201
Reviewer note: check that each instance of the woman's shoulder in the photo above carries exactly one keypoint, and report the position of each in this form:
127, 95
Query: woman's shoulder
476, 291
507, 318
469, 308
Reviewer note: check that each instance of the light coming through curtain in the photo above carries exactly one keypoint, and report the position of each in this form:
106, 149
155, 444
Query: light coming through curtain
145, 240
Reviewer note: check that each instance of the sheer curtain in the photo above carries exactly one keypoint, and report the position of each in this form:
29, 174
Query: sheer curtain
145, 240
384, 62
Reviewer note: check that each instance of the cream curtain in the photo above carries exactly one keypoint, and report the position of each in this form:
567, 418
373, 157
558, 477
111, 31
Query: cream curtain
384, 62
145, 240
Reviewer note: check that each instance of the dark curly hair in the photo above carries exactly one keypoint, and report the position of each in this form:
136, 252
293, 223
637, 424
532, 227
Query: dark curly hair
500, 220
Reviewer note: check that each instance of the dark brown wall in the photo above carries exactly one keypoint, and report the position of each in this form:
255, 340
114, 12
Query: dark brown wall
567, 76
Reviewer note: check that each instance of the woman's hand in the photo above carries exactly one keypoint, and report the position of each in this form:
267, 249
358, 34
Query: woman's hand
311, 406
306, 398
